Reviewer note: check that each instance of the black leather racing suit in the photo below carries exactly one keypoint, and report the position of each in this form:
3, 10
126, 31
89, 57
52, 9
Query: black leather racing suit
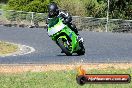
67, 20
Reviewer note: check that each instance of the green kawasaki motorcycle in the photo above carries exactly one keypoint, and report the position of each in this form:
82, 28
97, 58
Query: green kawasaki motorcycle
64, 37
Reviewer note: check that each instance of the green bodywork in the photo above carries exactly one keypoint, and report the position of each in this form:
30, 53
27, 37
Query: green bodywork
56, 30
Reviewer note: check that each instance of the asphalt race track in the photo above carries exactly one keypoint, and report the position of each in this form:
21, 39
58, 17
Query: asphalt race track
100, 47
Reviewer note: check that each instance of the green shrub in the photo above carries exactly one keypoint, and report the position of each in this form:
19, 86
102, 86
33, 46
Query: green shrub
95, 8
0, 6
17, 4
28, 5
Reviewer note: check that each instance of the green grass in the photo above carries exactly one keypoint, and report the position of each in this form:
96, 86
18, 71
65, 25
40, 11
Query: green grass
6, 48
58, 79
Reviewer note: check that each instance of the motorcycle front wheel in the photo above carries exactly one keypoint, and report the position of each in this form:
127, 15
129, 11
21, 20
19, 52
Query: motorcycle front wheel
82, 50
63, 44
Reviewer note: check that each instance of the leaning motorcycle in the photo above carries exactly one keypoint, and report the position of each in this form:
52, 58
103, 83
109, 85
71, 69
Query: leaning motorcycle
64, 37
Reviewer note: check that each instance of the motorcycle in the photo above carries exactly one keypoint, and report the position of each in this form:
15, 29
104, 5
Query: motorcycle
64, 37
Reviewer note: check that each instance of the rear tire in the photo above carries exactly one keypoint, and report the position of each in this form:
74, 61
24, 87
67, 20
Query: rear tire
62, 46
82, 50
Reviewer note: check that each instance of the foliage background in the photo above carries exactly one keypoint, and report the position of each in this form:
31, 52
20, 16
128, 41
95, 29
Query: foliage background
119, 9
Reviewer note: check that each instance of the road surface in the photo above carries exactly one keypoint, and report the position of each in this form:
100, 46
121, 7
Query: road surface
100, 47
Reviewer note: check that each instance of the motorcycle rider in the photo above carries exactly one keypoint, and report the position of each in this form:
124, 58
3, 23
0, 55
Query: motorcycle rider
53, 11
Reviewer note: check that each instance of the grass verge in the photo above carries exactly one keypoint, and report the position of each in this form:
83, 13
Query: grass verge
57, 79
7, 48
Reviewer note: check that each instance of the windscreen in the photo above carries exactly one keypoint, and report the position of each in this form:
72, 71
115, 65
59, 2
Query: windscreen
53, 22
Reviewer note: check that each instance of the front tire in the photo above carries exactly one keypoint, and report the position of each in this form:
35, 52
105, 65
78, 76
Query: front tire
61, 43
82, 50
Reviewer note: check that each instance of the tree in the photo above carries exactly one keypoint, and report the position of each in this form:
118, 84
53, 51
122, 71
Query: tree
28, 5
95, 8
121, 9
4, 1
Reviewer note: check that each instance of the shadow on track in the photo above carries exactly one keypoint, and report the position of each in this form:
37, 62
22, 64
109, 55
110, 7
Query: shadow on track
67, 56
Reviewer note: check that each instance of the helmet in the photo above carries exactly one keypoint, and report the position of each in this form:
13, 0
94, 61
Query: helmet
53, 9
